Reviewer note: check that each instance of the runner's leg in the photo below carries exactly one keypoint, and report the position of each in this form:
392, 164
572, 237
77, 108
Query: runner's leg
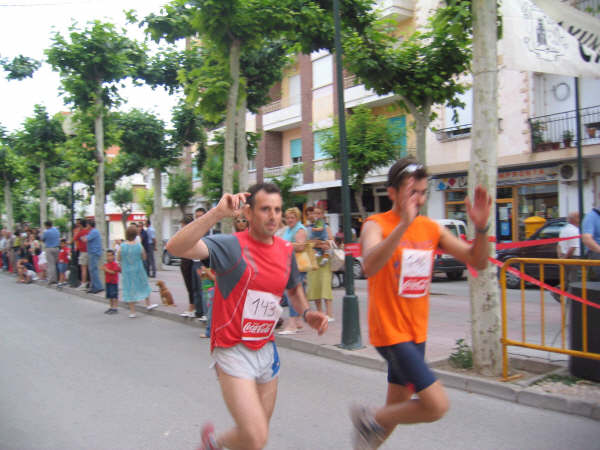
396, 394
251, 406
431, 405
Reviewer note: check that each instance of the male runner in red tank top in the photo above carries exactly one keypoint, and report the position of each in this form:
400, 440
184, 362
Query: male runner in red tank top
398, 249
253, 269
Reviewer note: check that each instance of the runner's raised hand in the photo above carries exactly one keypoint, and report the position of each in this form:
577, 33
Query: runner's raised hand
230, 204
479, 210
409, 202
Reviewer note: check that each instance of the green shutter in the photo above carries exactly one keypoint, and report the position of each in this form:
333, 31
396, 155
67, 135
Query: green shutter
296, 148
398, 124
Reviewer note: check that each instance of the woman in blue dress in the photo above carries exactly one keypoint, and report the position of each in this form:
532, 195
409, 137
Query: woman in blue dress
134, 278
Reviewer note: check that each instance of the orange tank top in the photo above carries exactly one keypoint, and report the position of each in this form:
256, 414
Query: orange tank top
399, 293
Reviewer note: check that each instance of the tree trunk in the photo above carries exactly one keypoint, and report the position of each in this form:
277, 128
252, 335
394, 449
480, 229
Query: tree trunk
43, 195
10, 221
158, 218
485, 306
99, 197
124, 216
358, 195
228, 157
241, 145
421, 118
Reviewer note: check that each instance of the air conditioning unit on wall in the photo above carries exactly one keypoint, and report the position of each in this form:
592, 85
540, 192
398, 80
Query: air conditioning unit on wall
568, 172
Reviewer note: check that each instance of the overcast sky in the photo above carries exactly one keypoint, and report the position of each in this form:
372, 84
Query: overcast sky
26, 27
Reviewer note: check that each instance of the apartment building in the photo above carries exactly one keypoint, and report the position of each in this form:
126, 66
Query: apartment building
536, 161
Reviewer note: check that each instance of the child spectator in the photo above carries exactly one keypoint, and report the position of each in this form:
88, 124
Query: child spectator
318, 232
25, 273
111, 278
42, 264
63, 262
208, 278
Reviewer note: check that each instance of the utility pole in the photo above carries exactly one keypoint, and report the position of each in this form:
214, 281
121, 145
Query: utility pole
485, 305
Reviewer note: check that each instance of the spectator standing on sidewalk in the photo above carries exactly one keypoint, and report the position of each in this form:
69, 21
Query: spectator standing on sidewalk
253, 270
144, 241
51, 239
111, 271
186, 267
4, 241
63, 262
151, 248
200, 307
569, 249
319, 281
82, 253
135, 280
398, 248
94, 250
590, 235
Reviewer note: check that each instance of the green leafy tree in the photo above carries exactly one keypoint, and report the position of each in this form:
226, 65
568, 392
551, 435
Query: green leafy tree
286, 182
180, 190
423, 69
91, 63
122, 196
371, 144
11, 170
20, 67
40, 142
144, 138
145, 197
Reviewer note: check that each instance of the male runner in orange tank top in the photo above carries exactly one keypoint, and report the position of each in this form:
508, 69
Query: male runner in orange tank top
398, 249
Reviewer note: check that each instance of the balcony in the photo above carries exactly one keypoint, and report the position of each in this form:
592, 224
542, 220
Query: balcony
453, 133
277, 172
400, 10
555, 131
282, 114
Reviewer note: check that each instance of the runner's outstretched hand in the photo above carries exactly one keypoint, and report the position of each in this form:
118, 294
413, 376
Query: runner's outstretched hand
317, 320
479, 210
409, 205
230, 204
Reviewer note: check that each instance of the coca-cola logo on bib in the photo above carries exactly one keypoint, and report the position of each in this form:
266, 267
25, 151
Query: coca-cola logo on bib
415, 285
257, 328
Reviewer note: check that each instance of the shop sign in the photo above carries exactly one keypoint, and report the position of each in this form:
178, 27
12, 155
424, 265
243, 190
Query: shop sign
505, 178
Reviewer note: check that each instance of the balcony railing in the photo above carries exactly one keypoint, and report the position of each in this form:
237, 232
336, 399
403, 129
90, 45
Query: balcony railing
276, 172
452, 133
554, 131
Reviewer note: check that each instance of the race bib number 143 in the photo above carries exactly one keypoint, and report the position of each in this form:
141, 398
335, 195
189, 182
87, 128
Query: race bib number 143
261, 312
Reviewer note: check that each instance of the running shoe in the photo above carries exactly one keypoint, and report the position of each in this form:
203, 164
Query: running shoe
108, 311
132, 316
151, 307
368, 434
209, 439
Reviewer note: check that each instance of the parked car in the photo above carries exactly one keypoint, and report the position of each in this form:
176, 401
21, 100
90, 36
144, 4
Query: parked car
167, 258
444, 263
549, 230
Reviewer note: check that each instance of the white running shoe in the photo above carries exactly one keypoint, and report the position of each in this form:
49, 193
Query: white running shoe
151, 307
132, 316
368, 434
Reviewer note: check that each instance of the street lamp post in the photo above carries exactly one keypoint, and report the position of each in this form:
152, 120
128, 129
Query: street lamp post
351, 338
73, 267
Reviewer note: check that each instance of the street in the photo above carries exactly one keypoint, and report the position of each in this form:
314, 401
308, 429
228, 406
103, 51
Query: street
75, 378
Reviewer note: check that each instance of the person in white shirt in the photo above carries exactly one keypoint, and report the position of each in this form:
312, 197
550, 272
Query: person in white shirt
569, 249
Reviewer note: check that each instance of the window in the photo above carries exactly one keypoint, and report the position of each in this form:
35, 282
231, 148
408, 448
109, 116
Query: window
296, 150
398, 126
294, 85
319, 153
464, 117
322, 71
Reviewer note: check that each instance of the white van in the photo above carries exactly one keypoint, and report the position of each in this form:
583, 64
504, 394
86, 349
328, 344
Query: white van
444, 263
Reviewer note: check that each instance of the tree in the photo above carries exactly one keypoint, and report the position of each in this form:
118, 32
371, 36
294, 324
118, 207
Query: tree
122, 196
20, 67
371, 144
286, 183
39, 141
485, 306
145, 197
144, 137
11, 169
91, 64
180, 190
423, 69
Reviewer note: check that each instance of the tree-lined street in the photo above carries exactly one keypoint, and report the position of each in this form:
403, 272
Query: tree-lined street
74, 378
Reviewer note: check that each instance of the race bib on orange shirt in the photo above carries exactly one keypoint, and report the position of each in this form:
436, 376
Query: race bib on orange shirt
261, 313
415, 274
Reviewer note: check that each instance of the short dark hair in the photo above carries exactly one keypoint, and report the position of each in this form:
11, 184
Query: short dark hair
91, 223
82, 222
188, 218
131, 232
63, 240
110, 251
405, 168
269, 188
48, 223
200, 209
148, 223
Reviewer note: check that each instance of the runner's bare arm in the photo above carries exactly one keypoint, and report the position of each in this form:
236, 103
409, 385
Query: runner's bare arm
314, 319
475, 254
375, 250
187, 242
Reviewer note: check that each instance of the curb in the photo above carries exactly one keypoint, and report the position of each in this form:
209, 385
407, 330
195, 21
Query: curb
497, 389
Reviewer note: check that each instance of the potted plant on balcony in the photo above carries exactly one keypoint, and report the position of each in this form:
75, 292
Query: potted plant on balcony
537, 136
567, 137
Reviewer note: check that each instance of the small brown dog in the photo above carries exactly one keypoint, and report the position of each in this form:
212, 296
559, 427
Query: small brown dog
165, 294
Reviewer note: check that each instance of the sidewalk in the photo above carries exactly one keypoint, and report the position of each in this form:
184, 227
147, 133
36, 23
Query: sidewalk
449, 321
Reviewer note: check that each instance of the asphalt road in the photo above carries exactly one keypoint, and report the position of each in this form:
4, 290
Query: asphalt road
73, 378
